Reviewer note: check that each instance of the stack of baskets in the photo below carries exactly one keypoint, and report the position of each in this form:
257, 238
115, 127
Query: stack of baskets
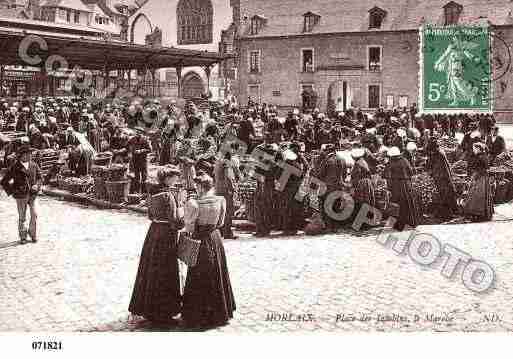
246, 195
75, 185
103, 159
117, 184
99, 174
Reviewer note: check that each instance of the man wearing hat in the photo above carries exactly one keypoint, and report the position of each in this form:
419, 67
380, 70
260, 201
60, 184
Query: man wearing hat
496, 144
39, 115
224, 176
23, 120
23, 182
138, 148
266, 176
68, 138
74, 117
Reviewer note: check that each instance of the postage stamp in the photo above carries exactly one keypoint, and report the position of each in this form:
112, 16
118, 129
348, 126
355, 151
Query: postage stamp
455, 70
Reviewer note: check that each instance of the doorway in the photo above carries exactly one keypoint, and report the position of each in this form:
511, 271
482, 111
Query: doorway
339, 97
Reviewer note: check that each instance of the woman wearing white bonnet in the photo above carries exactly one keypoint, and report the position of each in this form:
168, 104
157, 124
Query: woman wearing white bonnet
398, 174
361, 181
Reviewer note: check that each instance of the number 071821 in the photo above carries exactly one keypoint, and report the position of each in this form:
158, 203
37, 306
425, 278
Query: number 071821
46, 346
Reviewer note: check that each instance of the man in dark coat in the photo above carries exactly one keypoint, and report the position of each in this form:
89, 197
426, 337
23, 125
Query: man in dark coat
266, 176
138, 148
225, 186
68, 139
496, 144
246, 132
23, 182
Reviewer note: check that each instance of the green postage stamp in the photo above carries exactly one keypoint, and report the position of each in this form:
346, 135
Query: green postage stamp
455, 70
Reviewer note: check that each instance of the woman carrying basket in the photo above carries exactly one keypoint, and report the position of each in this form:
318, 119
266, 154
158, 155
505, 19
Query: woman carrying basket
208, 298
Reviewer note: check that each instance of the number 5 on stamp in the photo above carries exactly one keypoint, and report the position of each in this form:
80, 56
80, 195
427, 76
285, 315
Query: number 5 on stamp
458, 56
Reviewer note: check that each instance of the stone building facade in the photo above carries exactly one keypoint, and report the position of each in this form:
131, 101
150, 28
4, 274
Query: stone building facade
355, 53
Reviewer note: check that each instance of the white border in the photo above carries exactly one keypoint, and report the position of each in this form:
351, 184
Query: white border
420, 101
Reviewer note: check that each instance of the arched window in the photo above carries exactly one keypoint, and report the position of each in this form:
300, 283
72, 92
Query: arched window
195, 22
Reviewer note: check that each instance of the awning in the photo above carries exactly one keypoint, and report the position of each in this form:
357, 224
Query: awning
96, 54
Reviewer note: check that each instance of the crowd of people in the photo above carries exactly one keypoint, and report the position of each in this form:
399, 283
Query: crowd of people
139, 132
210, 153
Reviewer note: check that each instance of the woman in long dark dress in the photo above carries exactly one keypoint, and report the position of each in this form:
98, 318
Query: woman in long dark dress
156, 293
398, 173
361, 182
208, 298
479, 203
438, 167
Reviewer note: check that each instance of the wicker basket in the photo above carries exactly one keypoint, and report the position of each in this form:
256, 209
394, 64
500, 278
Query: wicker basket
79, 188
100, 191
62, 184
99, 173
116, 173
134, 199
117, 191
103, 159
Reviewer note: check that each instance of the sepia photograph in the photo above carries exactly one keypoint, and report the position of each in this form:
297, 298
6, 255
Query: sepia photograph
255, 167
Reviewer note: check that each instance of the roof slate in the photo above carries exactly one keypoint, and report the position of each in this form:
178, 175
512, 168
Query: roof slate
285, 17
67, 4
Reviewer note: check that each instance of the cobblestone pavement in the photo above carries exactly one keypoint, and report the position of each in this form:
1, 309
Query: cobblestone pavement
79, 277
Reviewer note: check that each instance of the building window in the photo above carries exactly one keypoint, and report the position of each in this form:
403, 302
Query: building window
68, 15
256, 24
403, 101
452, 13
374, 96
310, 20
376, 17
374, 58
77, 17
307, 60
254, 93
254, 62
195, 22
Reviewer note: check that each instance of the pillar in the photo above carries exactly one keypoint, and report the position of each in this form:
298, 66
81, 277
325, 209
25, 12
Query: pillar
106, 74
179, 80
2, 69
44, 77
152, 71
207, 72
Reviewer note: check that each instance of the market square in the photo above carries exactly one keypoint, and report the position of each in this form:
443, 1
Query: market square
242, 166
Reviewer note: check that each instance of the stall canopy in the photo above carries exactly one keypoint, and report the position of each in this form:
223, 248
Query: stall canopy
96, 54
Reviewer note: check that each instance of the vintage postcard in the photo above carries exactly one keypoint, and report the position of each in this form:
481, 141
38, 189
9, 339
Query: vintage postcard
263, 166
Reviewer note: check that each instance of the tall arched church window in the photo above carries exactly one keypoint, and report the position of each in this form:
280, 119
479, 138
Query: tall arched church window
196, 22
